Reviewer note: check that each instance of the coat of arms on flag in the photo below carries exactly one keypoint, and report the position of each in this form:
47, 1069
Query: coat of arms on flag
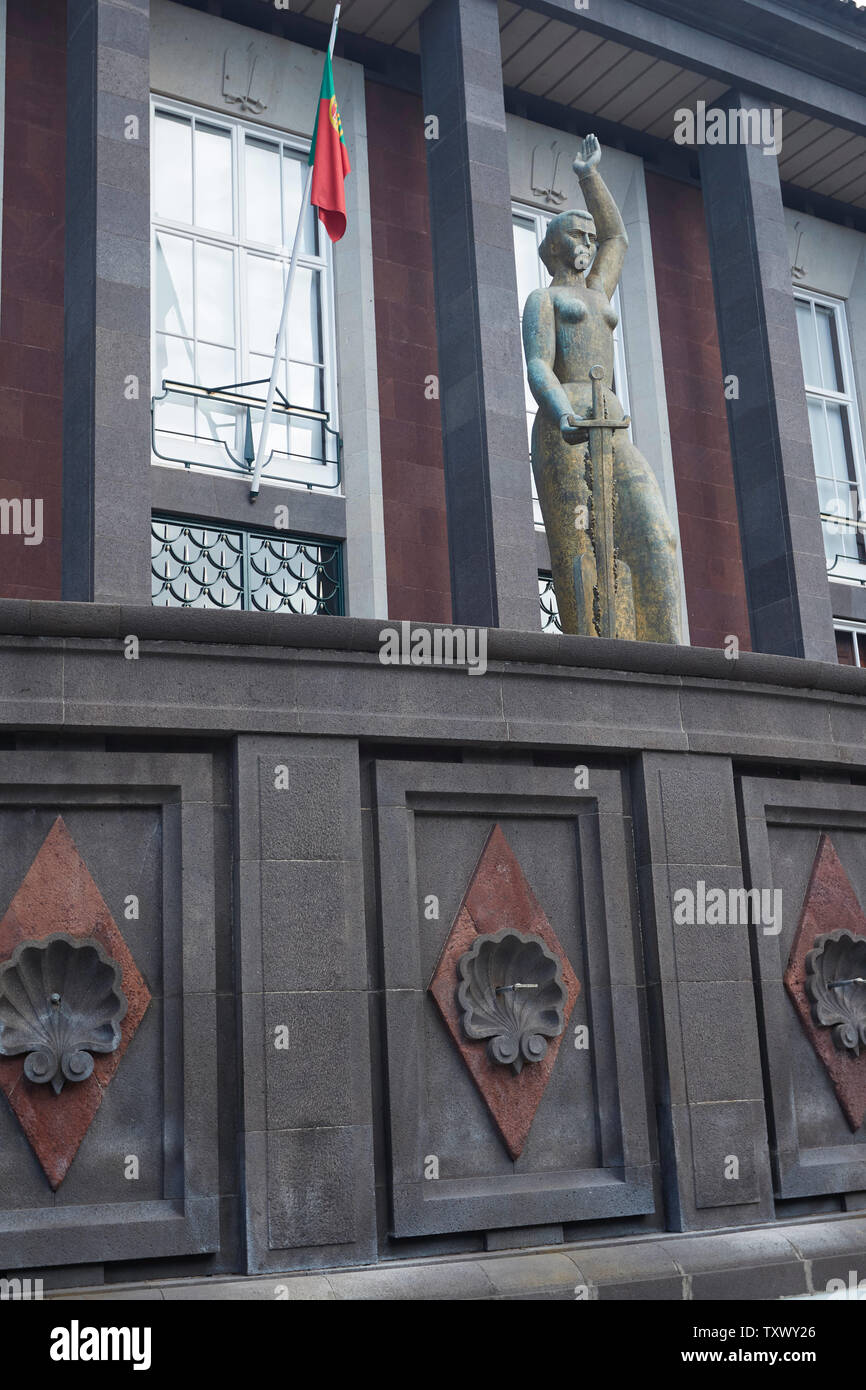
330, 159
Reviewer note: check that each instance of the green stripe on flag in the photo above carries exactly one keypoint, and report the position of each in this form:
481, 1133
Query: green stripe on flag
327, 91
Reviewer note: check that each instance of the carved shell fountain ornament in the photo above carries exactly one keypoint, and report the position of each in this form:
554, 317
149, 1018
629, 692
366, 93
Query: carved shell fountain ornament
511, 992
60, 1001
836, 985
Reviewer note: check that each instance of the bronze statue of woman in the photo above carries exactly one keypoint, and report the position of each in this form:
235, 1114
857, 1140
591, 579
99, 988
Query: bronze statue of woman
567, 331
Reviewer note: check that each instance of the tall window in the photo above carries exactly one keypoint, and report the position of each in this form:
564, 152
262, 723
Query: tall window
837, 444
226, 197
530, 226
851, 644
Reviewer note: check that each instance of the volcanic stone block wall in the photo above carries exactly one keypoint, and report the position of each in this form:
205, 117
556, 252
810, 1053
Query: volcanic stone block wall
694, 387
117, 849
410, 424
302, 983
31, 293
292, 851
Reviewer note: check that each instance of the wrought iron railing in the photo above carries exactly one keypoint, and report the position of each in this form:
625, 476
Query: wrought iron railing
547, 600
203, 446
197, 564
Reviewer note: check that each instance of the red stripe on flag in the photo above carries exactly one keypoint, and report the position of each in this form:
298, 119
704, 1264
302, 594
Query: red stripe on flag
330, 167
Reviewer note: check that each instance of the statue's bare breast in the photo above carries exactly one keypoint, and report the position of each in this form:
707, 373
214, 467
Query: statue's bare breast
584, 323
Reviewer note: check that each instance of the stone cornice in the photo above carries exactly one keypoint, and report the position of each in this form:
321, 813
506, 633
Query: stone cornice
331, 636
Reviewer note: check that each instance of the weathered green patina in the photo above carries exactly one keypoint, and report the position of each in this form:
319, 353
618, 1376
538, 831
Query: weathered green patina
612, 546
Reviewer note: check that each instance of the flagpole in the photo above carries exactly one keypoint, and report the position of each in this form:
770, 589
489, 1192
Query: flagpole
261, 452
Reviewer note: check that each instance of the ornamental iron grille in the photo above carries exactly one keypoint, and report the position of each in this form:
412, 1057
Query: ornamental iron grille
547, 600
195, 565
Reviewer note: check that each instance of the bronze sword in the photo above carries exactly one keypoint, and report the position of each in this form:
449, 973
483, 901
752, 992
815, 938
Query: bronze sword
601, 465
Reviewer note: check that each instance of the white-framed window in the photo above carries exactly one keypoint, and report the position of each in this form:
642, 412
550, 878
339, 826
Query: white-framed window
225, 200
530, 225
850, 643
837, 439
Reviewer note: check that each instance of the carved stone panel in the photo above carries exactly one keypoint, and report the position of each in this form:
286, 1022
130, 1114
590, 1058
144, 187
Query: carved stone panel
492, 877
807, 840
500, 911
826, 978
58, 890
111, 895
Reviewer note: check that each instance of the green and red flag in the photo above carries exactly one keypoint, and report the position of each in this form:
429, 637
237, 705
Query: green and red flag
330, 159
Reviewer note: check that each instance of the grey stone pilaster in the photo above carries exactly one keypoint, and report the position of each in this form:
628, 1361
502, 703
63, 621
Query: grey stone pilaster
302, 976
709, 1087
106, 415
487, 476
783, 551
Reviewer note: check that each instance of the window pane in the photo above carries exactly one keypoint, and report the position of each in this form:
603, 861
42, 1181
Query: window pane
820, 444
305, 388
808, 344
828, 498
174, 285
845, 648
861, 648
172, 160
294, 178
262, 180
213, 178
264, 303
838, 429
304, 340
214, 295
278, 437
174, 362
260, 368
828, 348
526, 259
215, 420
306, 385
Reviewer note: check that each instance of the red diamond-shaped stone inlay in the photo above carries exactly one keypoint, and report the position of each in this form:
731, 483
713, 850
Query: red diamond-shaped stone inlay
499, 896
59, 895
830, 904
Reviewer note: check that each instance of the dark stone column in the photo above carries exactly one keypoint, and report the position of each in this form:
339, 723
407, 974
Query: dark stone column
106, 417
487, 478
715, 1165
783, 550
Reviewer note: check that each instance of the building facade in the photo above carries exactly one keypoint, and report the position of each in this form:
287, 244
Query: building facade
286, 841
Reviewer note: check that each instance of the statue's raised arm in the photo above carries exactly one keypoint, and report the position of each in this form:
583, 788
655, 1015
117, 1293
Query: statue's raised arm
609, 226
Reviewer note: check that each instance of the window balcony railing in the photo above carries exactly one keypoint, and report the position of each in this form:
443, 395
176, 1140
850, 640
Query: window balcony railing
200, 564
849, 561
224, 436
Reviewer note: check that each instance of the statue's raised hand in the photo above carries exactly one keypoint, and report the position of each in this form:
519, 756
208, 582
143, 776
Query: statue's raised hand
588, 155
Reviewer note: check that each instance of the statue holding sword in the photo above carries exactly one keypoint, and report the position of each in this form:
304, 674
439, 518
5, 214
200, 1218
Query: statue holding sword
612, 547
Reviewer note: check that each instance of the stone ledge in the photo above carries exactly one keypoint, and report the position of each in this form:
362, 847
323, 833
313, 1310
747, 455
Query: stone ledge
42, 618
762, 1263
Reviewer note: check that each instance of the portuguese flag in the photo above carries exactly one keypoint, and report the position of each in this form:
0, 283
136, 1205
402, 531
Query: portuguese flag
330, 159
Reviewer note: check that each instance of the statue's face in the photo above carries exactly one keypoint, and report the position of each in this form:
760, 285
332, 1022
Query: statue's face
576, 239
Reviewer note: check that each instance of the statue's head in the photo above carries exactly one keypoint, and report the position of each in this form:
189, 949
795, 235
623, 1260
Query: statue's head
569, 242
